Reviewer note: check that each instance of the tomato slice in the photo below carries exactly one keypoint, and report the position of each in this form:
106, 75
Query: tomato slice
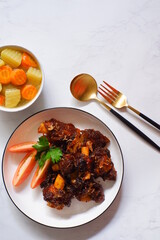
40, 174
22, 147
24, 168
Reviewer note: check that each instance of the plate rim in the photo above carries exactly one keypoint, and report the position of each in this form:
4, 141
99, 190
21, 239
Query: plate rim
56, 108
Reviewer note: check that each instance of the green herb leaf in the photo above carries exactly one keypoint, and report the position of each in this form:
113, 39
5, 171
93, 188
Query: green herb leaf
42, 144
38, 156
44, 152
42, 160
55, 154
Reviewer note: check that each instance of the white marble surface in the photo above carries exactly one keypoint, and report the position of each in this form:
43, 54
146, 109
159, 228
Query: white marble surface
115, 40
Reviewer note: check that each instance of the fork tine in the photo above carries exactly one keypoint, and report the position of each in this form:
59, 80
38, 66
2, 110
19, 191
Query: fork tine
115, 90
107, 92
119, 100
111, 92
105, 96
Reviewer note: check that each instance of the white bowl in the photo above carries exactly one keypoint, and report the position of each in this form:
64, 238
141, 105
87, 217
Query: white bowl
28, 104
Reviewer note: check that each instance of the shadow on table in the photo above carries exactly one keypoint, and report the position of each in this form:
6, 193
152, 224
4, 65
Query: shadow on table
82, 232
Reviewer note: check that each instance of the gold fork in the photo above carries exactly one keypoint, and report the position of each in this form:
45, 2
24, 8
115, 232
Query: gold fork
119, 100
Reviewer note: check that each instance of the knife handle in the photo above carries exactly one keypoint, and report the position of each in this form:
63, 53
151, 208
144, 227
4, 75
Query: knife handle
145, 117
135, 129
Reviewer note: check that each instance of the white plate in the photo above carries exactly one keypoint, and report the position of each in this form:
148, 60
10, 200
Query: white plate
30, 202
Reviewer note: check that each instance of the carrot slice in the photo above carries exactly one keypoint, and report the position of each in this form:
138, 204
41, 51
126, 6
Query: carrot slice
24, 168
18, 77
40, 174
5, 74
85, 150
27, 61
29, 92
59, 182
2, 100
22, 147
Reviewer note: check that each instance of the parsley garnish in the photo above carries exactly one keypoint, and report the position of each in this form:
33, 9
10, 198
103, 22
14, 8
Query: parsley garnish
42, 144
44, 151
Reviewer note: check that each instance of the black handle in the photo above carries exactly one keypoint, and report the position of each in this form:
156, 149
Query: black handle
150, 120
135, 129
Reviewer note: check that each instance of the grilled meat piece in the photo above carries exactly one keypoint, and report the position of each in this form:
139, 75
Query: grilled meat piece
78, 170
103, 166
57, 198
59, 131
90, 190
66, 164
74, 162
97, 138
50, 178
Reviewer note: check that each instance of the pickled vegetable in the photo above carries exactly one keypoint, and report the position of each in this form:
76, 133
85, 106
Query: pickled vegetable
27, 61
2, 99
5, 74
29, 92
34, 76
12, 97
20, 77
11, 57
2, 63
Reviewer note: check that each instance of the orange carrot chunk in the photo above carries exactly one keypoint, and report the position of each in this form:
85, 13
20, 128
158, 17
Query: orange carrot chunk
29, 92
18, 77
85, 150
59, 182
5, 74
2, 99
27, 61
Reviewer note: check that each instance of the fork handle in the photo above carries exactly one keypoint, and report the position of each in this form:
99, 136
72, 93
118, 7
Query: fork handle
135, 129
145, 117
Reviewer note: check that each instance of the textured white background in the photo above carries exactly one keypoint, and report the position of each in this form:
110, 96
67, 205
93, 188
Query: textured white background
113, 40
